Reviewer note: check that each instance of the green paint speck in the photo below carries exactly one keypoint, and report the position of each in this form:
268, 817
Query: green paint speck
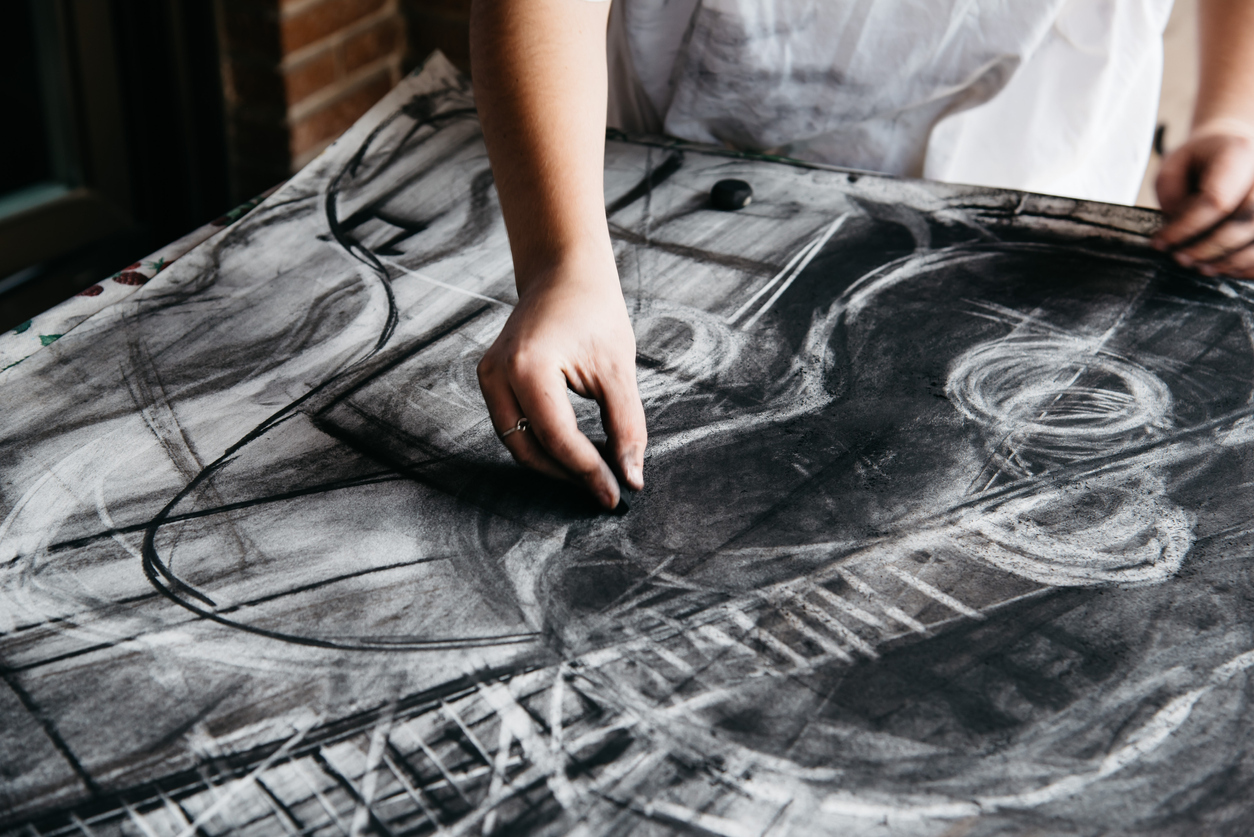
49, 339
22, 327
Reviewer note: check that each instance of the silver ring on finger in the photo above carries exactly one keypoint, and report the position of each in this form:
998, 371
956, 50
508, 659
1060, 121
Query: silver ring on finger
522, 424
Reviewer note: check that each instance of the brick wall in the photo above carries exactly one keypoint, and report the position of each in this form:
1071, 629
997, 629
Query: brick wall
296, 74
339, 58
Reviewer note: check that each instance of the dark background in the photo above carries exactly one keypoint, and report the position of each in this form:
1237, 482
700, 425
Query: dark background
133, 122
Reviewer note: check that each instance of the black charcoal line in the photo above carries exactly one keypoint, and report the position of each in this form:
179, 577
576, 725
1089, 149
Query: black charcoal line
322, 488
155, 568
439, 765
49, 726
281, 808
651, 180
334, 579
696, 254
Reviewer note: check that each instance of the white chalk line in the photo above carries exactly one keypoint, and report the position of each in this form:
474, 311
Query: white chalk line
809, 257
412, 792
787, 269
245, 782
326, 806
877, 598
369, 780
832, 648
934, 593
445, 285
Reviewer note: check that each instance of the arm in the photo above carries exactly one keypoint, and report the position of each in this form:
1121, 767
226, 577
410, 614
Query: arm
1206, 187
540, 84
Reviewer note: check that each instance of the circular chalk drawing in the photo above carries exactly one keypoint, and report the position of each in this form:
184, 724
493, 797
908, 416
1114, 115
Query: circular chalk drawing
1060, 396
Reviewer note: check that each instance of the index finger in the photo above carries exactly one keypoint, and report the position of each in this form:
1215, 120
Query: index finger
542, 396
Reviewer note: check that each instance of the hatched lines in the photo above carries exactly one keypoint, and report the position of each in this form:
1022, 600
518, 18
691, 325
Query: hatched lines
500, 754
528, 748
787, 628
432, 772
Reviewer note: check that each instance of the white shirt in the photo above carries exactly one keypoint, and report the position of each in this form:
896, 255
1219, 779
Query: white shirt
1053, 96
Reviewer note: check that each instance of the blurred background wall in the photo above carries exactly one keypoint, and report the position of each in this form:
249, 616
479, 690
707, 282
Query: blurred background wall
132, 122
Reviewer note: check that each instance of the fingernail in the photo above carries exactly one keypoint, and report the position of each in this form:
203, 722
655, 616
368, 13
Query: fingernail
631, 471
1207, 270
635, 476
1158, 244
1183, 260
607, 496
629, 467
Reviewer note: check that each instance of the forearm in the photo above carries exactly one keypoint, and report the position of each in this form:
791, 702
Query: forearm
1226, 51
540, 84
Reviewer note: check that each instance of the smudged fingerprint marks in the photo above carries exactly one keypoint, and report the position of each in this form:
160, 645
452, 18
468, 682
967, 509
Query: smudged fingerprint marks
1048, 400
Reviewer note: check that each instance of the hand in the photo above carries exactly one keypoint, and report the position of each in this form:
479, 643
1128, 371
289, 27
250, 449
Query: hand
570, 329
1206, 190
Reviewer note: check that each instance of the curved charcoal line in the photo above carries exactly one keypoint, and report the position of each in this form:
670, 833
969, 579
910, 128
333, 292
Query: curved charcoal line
407, 180
155, 569
354, 248
474, 230
336, 485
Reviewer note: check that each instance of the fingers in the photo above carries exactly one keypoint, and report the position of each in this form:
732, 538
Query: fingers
505, 411
1205, 190
622, 415
541, 393
1210, 253
569, 332
1232, 234
1239, 264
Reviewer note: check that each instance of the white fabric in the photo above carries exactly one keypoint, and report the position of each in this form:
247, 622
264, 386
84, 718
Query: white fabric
1054, 96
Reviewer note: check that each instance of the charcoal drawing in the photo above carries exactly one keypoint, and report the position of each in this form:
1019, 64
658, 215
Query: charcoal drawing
946, 531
